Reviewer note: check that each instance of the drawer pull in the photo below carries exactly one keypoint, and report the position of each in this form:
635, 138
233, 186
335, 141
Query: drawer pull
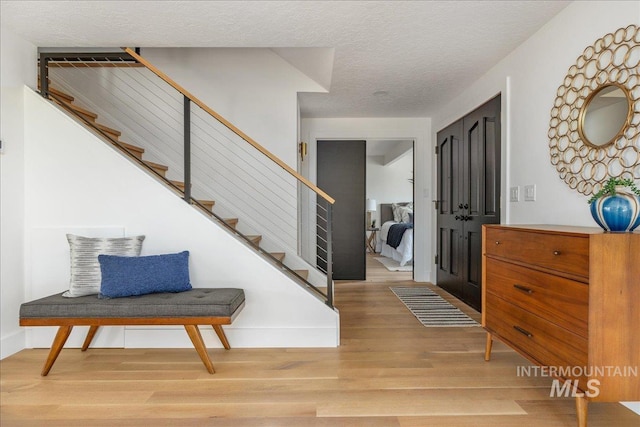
497, 242
557, 252
523, 288
523, 331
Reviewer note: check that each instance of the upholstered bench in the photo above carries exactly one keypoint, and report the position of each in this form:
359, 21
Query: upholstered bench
198, 306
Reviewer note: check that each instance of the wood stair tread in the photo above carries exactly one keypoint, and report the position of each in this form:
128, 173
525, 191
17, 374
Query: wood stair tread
157, 165
74, 109
233, 222
61, 94
255, 239
84, 112
278, 255
133, 149
109, 130
178, 184
160, 169
209, 204
302, 273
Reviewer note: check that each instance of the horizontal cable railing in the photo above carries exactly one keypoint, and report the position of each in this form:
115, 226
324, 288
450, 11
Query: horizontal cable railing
200, 154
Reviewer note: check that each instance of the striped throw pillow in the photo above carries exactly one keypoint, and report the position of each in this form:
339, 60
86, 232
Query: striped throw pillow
85, 268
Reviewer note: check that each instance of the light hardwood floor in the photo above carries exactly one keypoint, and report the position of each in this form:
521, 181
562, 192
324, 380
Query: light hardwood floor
389, 371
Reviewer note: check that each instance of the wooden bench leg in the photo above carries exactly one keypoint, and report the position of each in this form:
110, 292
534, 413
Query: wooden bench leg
222, 336
196, 339
56, 346
87, 341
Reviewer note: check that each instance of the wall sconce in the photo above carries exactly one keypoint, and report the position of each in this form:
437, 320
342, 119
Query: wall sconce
302, 149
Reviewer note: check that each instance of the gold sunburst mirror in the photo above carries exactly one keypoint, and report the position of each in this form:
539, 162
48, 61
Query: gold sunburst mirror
594, 131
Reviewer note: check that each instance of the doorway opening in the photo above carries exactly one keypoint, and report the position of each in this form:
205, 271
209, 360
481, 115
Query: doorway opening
389, 247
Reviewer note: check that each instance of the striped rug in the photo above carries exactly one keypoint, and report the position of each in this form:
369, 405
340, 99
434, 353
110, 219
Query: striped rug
430, 309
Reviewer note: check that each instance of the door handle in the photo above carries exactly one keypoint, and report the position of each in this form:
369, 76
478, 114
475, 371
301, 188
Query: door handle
457, 217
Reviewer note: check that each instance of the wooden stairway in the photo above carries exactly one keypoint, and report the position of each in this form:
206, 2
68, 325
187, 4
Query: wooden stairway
66, 101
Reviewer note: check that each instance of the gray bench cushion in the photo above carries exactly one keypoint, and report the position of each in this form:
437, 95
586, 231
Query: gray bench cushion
197, 302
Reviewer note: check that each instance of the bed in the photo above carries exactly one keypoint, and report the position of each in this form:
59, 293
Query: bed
390, 229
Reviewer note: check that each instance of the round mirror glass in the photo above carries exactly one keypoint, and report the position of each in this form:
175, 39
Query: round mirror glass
604, 115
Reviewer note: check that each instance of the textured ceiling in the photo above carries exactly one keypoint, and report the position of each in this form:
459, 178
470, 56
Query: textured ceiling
420, 53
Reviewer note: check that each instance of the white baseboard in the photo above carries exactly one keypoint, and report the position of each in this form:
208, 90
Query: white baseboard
12, 344
238, 337
176, 337
107, 336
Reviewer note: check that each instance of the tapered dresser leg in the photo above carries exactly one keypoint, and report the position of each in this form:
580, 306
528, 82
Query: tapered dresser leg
487, 349
581, 410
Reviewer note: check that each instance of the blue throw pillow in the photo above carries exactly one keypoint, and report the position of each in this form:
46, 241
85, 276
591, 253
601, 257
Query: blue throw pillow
127, 276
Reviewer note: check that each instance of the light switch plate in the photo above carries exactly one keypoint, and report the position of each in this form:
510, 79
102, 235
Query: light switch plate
530, 193
514, 194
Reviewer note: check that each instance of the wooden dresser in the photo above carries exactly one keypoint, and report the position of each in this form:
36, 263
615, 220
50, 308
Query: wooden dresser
567, 298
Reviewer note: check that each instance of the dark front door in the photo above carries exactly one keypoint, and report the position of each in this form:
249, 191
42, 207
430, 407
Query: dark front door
342, 173
450, 195
469, 196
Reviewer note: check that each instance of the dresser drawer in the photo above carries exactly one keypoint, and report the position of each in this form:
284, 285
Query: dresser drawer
543, 341
562, 253
564, 302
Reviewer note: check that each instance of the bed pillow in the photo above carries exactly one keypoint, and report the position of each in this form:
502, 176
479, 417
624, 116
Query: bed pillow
405, 214
85, 268
396, 213
401, 211
129, 276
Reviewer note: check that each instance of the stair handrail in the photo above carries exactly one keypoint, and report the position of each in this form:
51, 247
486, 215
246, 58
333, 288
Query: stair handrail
229, 125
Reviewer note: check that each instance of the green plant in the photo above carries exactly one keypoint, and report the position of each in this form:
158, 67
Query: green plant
609, 188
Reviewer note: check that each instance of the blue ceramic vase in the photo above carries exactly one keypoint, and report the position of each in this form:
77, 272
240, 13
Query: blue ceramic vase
618, 213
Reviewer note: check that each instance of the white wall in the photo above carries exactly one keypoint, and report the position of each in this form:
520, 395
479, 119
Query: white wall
417, 129
389, 183
528, 79
17, 68
255, 89
76, 183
